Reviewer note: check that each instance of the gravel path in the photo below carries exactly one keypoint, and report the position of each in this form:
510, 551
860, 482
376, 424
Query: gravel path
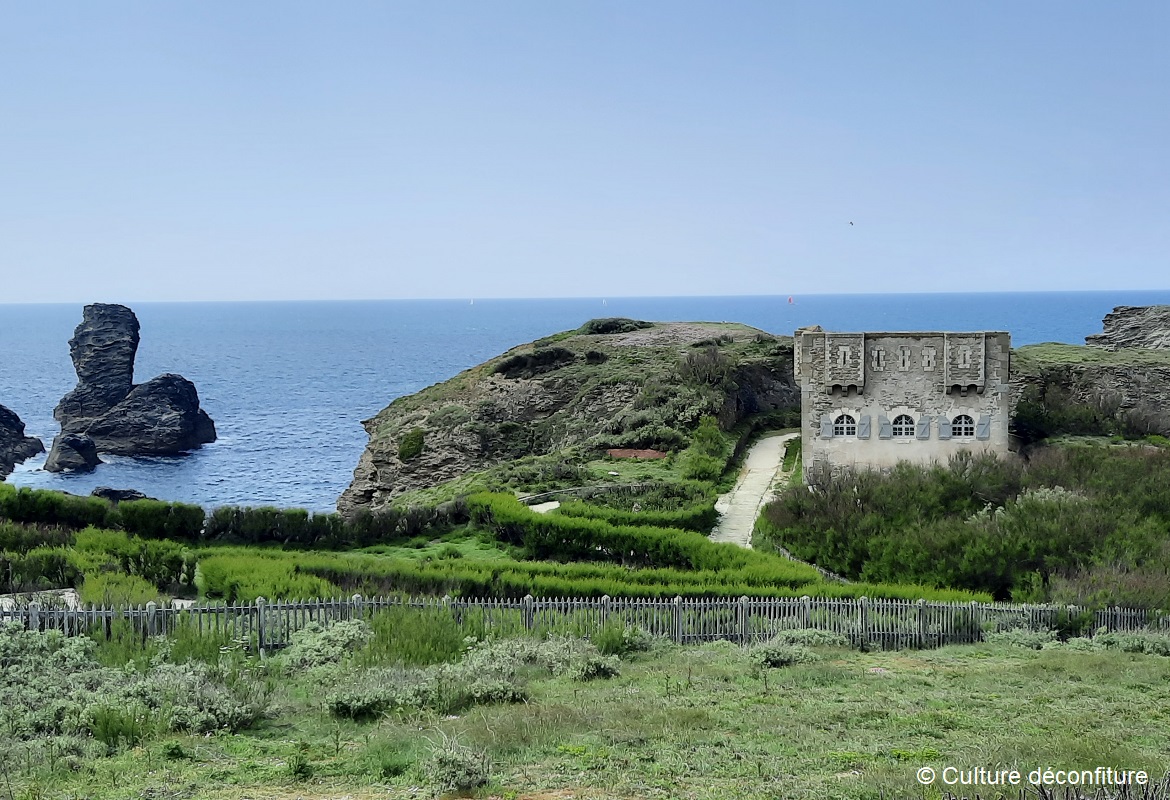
758, 481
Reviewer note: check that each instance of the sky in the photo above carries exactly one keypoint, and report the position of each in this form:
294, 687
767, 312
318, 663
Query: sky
220, 150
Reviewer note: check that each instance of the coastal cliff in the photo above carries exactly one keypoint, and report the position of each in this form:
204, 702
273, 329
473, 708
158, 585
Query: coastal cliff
1127, 327
1118, 384
612, 383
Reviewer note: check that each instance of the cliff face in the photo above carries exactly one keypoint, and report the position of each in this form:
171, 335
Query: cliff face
15, 447
614, 383
1134, 326
1119, 383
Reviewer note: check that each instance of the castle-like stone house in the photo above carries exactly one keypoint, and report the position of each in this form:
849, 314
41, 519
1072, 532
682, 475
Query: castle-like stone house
874, 399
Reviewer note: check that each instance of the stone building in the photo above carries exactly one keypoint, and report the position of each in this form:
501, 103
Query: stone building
874, 399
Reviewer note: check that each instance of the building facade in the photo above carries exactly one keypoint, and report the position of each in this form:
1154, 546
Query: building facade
874, 399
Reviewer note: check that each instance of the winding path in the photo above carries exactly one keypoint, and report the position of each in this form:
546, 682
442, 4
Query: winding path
762, 475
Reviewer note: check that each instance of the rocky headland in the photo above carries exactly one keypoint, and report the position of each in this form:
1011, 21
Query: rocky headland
108, 410
1128, 327
15, 447
613, 383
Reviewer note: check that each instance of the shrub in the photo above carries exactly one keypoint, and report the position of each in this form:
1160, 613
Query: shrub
454, 767
609, 325
114, 589
778, 653
316, 645
415, 637
1022, 637
528, 365
618, 639
411, 445
698, 467
154, 519
811, 637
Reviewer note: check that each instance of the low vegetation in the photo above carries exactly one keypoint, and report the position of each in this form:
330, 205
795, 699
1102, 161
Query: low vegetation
415, 707
1071, 524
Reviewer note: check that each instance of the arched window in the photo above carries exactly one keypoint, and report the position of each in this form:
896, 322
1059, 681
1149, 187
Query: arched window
903, 425
962, 426
845, 425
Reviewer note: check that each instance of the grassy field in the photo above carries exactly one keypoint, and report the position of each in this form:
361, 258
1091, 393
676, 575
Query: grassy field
697, 722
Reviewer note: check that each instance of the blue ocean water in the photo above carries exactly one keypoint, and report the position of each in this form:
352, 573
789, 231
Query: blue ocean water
289, 383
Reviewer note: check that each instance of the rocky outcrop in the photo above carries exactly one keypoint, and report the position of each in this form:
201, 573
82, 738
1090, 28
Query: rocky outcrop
118, 495
1134, 326
571, 397
72, 452
103, 348
15, 447
159, 417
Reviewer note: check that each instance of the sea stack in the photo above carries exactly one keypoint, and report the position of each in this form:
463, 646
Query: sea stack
159, 417
15, 447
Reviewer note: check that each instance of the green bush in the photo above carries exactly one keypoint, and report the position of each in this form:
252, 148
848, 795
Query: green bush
454, 767
411, 445
114, 589
154, 519
415, 637
609, 325
779, 653
317, 645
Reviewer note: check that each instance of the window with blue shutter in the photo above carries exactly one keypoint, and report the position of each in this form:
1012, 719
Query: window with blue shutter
944, 428
963, 427
983, 429
885, 428
826, 427
863, 427
924, 426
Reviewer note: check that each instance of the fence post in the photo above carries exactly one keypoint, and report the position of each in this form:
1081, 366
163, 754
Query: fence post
921, 623
678, 620
806, 612
605, 610
34, 616
260, 602
151, 618
529, 612
977, 618
863, 618
358, 611
744, 632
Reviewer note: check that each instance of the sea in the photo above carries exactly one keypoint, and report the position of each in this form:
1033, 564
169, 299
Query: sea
288, 384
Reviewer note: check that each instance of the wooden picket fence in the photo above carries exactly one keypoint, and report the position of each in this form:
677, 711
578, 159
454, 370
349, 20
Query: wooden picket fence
889, 624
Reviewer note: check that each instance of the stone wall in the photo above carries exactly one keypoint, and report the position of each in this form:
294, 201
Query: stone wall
874, 399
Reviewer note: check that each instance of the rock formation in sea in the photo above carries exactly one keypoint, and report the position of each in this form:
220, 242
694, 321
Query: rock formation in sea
118, 495
15, 447
614, 383
159, 417
72, 452
1134, 326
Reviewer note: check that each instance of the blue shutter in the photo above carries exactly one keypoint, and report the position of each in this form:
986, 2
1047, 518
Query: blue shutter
826, 427
944, 427
983, 427
863, 427
885, 427
924, 426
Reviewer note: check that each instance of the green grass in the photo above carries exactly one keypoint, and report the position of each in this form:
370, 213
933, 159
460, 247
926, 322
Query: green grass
693, 723
1056, 353
461, 542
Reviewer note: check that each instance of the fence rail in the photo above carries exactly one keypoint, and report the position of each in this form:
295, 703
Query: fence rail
890, 624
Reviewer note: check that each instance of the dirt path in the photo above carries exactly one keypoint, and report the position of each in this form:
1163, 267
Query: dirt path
758, 481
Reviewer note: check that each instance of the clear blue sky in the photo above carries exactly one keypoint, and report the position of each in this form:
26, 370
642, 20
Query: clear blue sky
286, 150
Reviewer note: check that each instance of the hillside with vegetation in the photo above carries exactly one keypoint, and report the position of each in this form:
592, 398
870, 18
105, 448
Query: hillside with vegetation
541, 415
